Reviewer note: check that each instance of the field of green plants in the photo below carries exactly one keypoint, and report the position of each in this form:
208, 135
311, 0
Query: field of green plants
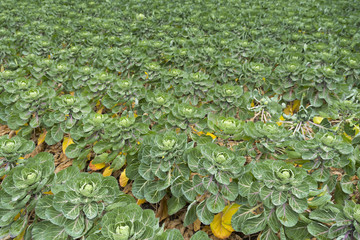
237, 118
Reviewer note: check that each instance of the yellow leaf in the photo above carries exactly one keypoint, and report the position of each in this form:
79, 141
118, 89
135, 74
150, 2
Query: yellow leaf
140, 201
66, 142
252, 103
357, 129
264, 79
135, 115
281, 119
41, 138
100, 110
107, 172
21, 235
97, 166
317, 120
17, 216
16, 132
218, 229
292, 107
72, 93
296, 106
2, 69
49, 192
347, 136
228, 212
211, 135
197, 225
123, 180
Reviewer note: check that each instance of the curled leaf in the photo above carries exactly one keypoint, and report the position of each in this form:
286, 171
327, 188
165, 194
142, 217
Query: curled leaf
96, 167
66, 142
41, 138
107, 172
123, 180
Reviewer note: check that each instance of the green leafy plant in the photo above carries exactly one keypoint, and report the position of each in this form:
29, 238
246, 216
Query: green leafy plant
160, 165
78, 200
21, 190
216, 167
276, 195
11, 149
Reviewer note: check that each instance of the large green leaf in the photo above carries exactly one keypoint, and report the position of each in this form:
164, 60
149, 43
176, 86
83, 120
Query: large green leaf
268, 234
215, 203
286, 215
200, 235
190, 215
318, 230
204, 214
254, 224
75, 227
243, 213
230, 192
153, 194
46, 230
299, 231
90, 210
175, 204
298, 205
278, 198
244, 184
71, 211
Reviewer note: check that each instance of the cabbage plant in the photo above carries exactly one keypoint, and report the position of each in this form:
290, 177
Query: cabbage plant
276, 196
161, 163
127, 222
79, 198
11, 149
335, 222
66, 111
183, 114
122, 133
21, 191
216, 167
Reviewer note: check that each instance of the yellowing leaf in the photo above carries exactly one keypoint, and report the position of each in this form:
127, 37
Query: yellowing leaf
197, 225
135, 115
296, 106
21, 235
292, 107
100, 110
281, 119
16, 132
140, 201
49, 192
97, 166
228, 212
66, 142
17, 216
41, 138
123, 180
252, 103
72, 93
218, 229
107, 172
317, 120
211, 135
